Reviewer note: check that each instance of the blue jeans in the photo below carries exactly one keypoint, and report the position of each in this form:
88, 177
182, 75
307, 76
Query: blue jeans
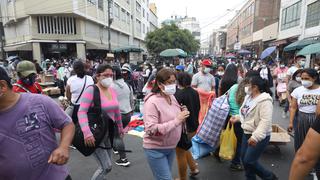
160, 162
250, 156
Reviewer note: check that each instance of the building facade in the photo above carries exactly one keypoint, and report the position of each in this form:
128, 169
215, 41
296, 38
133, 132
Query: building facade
41, 29
254, 26
299, 20
189, 23
217, 42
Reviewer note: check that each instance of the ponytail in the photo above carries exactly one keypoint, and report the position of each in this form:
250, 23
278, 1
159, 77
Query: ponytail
262, 84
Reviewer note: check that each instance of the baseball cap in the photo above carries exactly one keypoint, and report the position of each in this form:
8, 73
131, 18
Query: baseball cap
126, 67
206, 62
180, 67
25, 68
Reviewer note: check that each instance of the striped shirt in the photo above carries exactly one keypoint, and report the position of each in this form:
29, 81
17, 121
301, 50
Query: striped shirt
110, 107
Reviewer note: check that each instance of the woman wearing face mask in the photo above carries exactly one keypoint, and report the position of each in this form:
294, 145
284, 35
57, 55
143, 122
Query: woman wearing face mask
229, 78
304, 102
218, 77
110, 106
256, 122
163, 117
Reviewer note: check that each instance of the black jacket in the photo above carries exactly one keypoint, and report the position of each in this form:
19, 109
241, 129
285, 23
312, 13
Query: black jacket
190, 98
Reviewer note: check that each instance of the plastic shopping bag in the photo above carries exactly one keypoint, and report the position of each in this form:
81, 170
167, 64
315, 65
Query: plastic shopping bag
228, 144
199, 148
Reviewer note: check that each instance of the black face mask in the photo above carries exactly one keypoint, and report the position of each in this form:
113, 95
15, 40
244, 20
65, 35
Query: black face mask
30, 80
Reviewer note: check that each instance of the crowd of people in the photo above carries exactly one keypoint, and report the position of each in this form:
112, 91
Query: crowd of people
176, 100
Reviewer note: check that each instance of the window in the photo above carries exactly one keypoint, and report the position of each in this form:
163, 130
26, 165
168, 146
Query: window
128, 18
143, 12
100, 4
92, 1
313, 15
144, 28
147, 16
138, 26
116, 10
56, 25
291, 16
148, 30
123, 15
128, 1
138, 7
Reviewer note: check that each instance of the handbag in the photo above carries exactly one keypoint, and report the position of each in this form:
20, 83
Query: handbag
199, 148
210, 129
70, 109
228, 144
184, 142
97, 124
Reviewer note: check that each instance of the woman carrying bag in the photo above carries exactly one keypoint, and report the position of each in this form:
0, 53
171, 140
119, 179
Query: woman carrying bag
163, 117
110, 106
256, 120
188, 97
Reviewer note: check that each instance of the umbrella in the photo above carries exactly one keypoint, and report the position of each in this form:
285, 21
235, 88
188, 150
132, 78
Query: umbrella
244, 52
230, 56
267, 52
300, 44
311, 49
173, 53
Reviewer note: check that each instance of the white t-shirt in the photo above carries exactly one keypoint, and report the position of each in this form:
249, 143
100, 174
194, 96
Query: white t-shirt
292, 70
307, 99
76, 85
264, 73
202, 81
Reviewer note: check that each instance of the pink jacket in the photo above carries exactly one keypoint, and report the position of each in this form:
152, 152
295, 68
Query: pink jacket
163, 129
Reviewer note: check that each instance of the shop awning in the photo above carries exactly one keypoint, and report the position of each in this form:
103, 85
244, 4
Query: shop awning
96, 46
301, 44
128, 49
311, 49
19, 47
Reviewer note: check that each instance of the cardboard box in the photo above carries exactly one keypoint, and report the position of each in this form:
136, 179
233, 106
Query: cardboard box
47, 78
51, 91
279, 135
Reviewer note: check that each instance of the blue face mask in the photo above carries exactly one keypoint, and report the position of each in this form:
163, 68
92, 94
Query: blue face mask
30, 80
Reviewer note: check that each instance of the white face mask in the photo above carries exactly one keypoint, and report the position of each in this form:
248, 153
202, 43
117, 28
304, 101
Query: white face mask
106, 82
206, 70
316, 68
298, 79
282, 66
306, 83
247, 90
170, 89
220, 73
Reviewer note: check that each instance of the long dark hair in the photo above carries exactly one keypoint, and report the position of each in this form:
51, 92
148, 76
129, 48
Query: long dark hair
262, 84
117, 72
162, 76
295, 74
229, 78
312, 73
78, 68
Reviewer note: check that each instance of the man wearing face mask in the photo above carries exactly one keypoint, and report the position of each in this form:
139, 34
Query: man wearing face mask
27, 74
265, 73
203, 79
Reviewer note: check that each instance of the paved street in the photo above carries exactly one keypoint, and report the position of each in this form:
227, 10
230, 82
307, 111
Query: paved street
83, 167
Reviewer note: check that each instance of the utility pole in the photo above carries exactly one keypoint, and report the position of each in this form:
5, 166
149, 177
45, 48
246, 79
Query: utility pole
2, 36
109, 26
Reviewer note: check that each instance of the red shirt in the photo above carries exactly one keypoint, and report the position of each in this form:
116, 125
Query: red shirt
35, 88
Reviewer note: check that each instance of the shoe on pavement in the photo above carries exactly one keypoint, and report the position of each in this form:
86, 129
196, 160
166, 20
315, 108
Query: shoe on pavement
194, 173
122, 162
236, 167
115, 152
